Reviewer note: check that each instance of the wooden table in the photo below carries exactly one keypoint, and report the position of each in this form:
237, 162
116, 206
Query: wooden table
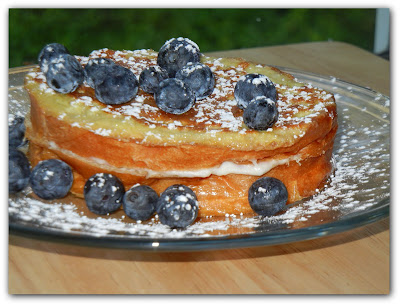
354, 262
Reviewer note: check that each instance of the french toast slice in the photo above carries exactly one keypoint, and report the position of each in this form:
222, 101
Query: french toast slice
208, 148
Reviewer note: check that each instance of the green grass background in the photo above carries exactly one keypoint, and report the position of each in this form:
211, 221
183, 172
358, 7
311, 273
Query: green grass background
84, 30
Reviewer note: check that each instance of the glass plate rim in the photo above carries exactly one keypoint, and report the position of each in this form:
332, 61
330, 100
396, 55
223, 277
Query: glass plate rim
216, 242
244, 240
327, 77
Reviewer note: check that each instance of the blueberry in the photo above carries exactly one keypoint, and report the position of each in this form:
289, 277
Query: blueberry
250, 86
177, 206
150, 78
48, 52
118, 87
267, 196
64, 73
139, 202
95, 70
18, 171
16, 132
51, 179
261, 113
176, 53
174, 96
198, 77
103, 193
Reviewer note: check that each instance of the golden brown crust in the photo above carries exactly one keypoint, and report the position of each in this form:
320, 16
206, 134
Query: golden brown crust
217, 195
46, 128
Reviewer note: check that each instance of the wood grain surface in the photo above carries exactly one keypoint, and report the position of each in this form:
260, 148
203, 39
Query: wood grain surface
354, 262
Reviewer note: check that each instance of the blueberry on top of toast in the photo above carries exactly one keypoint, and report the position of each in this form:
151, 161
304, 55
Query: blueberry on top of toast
95, 70
261, 113
176, 53
119, 86
252, 85
48, 52
150, 78
174, 96
64, 73
198, 77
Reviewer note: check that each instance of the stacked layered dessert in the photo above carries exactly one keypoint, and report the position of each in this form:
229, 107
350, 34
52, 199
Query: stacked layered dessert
179, 131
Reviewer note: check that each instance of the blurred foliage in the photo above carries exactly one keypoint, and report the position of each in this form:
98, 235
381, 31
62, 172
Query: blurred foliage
84, 30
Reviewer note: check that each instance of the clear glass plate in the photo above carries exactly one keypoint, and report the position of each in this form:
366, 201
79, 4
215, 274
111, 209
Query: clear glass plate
358, 192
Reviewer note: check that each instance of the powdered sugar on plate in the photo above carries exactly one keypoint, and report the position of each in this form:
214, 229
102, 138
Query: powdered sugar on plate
360, 183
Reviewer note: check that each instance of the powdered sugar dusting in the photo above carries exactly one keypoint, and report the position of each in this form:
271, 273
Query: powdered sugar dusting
360, 182
296, 105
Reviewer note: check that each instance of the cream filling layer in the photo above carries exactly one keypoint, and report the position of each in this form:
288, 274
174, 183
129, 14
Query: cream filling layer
228, 167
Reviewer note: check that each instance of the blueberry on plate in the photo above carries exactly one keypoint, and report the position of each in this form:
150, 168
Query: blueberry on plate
176, 53
150, 78
198, 77
177, 206
51, 179
64, 73
174, 96
95, 70
261, 113
103, 193
252, 85
119, 86
48, 52
267, 196
18, 171
16, 132
139, 202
